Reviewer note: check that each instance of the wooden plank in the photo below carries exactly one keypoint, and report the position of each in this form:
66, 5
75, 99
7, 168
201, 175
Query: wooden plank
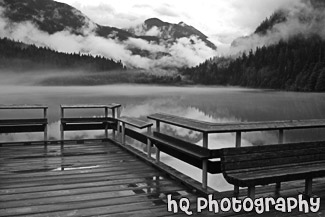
168, 145
282, 161
103, 208
209, 127
22, 121
290, 174
23, 106
91, 126
135, 122
188, 147
136, 135
274, 156
95, 183
32, 181
90, 106
272, 148
70, 195
72, 170
22, 129
191, 124
91, 159
88, 120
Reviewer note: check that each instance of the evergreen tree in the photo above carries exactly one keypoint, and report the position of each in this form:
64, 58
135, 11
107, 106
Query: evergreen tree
320, 85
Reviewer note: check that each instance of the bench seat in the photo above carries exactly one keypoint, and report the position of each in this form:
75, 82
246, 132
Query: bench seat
262, 165
273, 175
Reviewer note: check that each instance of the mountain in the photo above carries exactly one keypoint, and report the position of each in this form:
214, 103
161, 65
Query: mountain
169, 31
305, 19
286, 51
51, 17
64, 28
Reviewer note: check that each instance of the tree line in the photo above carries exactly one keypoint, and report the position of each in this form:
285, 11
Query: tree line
20, 56
297, 64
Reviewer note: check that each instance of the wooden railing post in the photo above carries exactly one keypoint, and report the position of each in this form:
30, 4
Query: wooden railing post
251, 192
123, 133
106, 123
238, 139
205, 163
149, 142
308, 186
46, 127
62, 128
281, 136
238, 145
113, 116
157, 150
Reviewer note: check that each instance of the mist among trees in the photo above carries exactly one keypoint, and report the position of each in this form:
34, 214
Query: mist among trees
297, 64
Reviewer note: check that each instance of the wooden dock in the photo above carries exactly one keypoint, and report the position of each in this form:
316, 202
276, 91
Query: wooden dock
99, 178
108, 177
90, 179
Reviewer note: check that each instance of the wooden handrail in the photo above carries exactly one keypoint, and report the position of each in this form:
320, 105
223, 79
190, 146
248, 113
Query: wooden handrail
89, 106
236, 127
23, 107
135, 122
209, 127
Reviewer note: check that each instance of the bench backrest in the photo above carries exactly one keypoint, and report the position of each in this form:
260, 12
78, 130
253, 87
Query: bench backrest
187, 152
23, 125
271, 155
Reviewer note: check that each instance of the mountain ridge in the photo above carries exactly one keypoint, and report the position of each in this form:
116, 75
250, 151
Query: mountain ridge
183, 45
169, 31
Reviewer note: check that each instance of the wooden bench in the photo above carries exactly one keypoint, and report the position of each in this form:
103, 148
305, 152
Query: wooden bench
262, 165
190, 153
90, 123
24, 125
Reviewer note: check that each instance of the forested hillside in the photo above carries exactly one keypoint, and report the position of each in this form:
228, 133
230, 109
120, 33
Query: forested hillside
297, 64
22, 57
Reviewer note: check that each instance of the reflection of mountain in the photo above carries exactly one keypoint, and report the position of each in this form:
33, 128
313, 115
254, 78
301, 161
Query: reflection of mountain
52, 24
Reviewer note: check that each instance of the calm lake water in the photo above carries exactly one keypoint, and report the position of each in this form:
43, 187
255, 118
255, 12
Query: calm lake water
215, 104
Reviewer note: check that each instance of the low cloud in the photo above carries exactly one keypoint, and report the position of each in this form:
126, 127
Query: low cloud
302, 19
183, 52
166, 10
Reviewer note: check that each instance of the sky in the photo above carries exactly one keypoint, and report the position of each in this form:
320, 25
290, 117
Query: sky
221, 20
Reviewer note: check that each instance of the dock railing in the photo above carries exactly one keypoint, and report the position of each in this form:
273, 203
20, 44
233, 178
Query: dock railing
25, 125
90, 123
238, 128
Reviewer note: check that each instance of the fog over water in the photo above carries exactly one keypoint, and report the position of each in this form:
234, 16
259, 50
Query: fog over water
214, 104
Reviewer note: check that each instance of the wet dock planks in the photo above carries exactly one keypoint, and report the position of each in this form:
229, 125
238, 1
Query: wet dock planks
101, 179
91, 179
